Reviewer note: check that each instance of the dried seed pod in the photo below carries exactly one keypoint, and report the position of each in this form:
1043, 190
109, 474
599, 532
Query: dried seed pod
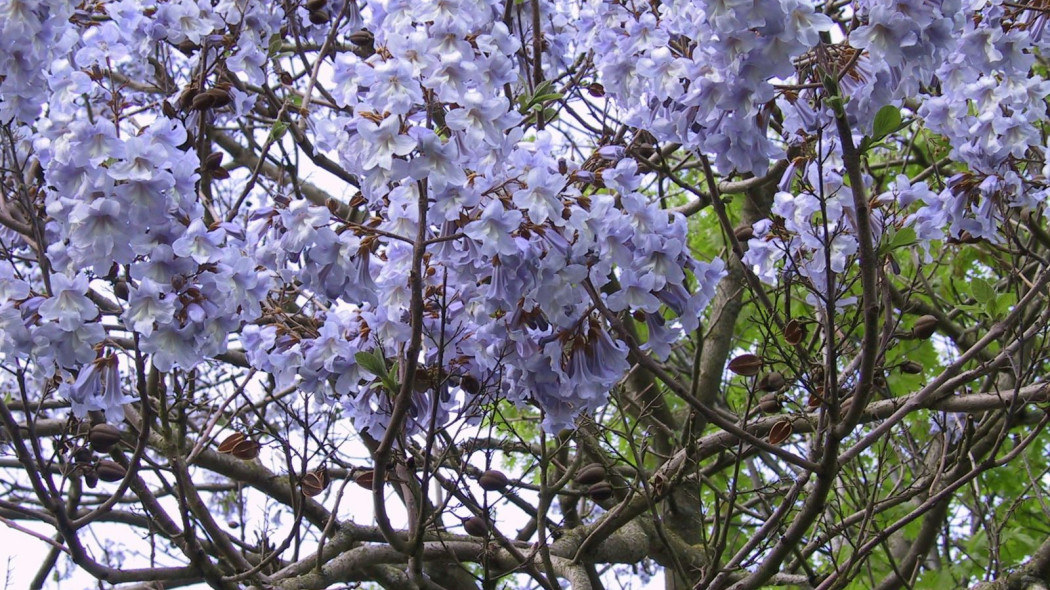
168, 110
769, 404
202, 101
590, 474
746, 364
596, 90
313, 5
476, 526
213, 161
90, 479
220, 97
103, 437
780, 432
814, 401
188, 47
107, 470
744, 233
240, 446
187, 96
493, 480
470, 384
364, 478
924, 327
314, 482
794, 332
362, 38
911, 367
772, 381
319, 17
600, 491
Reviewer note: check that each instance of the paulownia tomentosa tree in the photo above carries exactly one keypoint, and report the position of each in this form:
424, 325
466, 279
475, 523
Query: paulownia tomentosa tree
490, 293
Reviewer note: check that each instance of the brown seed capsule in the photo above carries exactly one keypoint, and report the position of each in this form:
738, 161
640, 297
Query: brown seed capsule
794, 332
911, 368
476, 526
202, 101
470, 384
746, 365
103, 437
772, 381
90, 479
167, 109
924, 327
596, 90
744, 233
188, 47
319, 17
769, 404
590, 474
364, 478
362, 38
213, 160
314, 482
220, 97
493, 480
240, 446
312, 5
107, 470
187, 96
780, 432
600, 491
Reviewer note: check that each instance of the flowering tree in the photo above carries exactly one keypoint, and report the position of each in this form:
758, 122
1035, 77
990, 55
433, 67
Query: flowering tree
749, 293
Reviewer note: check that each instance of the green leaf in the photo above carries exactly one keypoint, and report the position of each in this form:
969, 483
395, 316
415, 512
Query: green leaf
902, 238
887, 120
278, 130
275, 45
983, 291
372, 363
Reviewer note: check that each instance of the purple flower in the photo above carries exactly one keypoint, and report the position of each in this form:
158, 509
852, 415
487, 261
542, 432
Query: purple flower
68, 305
